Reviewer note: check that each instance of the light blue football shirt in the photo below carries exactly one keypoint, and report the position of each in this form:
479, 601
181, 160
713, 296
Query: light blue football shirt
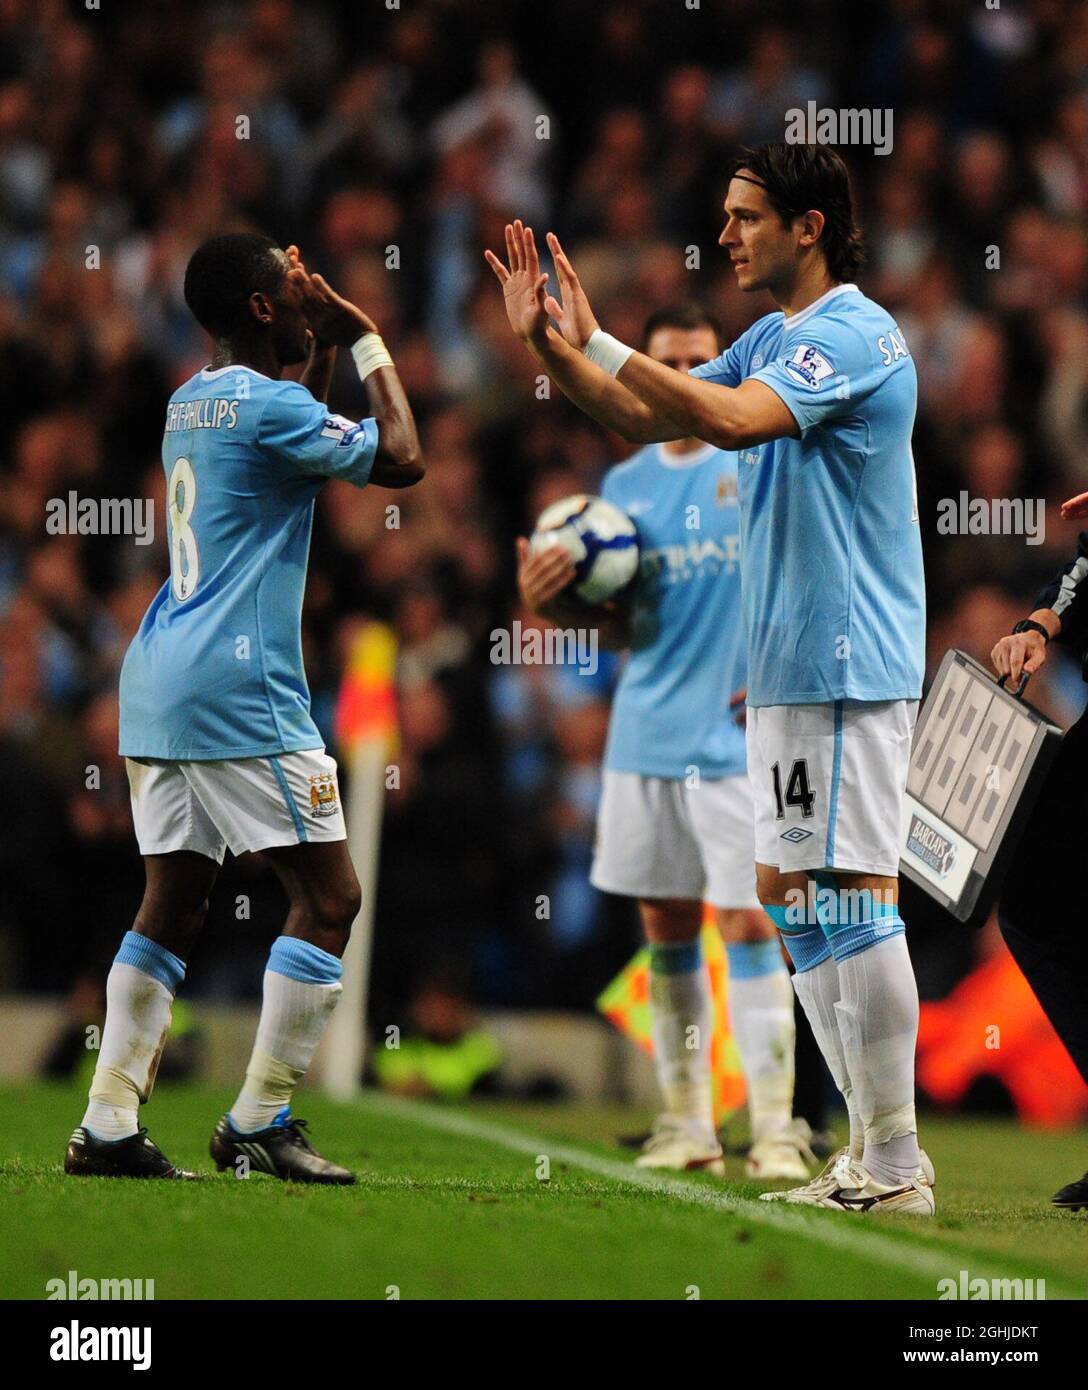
834, 594
215, 670
671, 710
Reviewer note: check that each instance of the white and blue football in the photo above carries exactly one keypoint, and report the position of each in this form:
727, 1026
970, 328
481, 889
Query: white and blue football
598, 536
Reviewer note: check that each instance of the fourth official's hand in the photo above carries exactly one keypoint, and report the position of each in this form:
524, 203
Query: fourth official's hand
1017, 653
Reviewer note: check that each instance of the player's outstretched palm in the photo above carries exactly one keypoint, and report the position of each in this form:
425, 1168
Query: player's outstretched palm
522, 282
573, 315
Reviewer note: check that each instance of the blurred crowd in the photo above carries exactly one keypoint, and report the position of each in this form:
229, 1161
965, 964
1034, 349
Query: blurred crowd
392, 143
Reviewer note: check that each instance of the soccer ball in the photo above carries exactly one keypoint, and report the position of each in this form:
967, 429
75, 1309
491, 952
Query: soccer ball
598, 536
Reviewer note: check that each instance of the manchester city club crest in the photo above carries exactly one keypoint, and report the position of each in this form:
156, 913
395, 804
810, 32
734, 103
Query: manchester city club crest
323, 795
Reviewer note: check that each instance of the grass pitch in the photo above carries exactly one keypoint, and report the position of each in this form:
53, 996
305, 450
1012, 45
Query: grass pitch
510, 1201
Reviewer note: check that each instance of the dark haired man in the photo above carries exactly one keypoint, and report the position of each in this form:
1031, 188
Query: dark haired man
674, 828
215, 712
819, 400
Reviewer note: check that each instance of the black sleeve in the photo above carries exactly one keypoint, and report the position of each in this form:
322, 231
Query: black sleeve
1067, 595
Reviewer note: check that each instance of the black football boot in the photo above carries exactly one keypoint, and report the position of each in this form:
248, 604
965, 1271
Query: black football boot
281, 1149
134, 1157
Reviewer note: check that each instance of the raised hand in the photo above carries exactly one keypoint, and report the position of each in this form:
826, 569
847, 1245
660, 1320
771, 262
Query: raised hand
522, 282
333, 320
574, 316
1075, 507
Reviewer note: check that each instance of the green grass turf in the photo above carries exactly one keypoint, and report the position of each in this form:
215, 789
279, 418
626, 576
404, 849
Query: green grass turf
451, 1216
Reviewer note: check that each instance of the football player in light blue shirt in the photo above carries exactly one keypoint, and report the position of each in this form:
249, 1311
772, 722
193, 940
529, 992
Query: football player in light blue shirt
215, 712
818, 399
675, 823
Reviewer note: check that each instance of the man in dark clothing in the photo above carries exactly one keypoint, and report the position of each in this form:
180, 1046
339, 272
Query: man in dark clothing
1044, 922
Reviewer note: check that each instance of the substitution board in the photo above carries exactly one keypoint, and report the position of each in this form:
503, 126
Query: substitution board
979, 758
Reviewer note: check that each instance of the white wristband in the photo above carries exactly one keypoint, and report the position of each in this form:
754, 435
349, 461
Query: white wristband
606, 351
370, 353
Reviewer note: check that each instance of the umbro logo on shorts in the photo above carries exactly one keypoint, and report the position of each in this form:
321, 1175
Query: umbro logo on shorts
796, 835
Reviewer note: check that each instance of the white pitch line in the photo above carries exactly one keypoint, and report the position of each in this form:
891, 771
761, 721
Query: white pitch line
866, 1244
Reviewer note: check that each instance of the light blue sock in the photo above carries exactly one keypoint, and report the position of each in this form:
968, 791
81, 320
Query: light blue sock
816, 984
750, 959
854, 924
761, 1012
301, 989
682, 1025
152, 959
802, 936
139, 996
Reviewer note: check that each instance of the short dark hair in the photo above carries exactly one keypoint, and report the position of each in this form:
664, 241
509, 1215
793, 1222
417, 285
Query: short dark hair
685, 316
798, 178
222, 274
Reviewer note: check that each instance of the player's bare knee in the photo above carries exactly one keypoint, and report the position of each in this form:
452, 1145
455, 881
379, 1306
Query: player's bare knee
351, 900
170, 922
776, 889
742, 924
336, 907
671, 919
769, 887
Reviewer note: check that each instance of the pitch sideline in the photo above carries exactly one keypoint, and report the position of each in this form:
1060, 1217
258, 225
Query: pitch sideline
876, 1247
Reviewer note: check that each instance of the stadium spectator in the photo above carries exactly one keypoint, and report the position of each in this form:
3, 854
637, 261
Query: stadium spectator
391, 146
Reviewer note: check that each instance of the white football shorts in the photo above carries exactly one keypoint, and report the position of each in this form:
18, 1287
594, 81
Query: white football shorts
247, 804
659, 838
829, 782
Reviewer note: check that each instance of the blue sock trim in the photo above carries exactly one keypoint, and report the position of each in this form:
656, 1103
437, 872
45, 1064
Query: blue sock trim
825, 901
855, 937
302, 960
804, 941
281, 778
807, 949
838, 908
91, 1132
676, 957
750, 959
144, 954
279, 1121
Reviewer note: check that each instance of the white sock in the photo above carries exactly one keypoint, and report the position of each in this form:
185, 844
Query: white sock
682, 1024
878, 1022
295, 1009
818, 991
139, 998
761, 1013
